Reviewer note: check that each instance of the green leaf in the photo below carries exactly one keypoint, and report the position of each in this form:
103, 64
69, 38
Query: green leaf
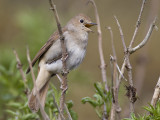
11, 112
99, 89
89, 100
70, 104
30, 116
73, 115
14, 104
99, 99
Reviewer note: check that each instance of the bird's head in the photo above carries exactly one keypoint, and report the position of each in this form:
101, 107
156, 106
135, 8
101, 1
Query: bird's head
80, 23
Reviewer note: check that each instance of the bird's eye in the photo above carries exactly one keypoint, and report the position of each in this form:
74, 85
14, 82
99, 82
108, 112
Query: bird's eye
81, 20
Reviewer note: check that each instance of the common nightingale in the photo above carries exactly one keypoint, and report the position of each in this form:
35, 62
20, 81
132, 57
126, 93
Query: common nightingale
50, 55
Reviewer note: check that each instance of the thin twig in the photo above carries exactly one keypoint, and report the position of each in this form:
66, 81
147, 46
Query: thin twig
68, 113
44, 115
64, 57
121, 73
103, 65
121, 34
156, 94
56, 105
59, 78
113, 108
137, 24
115, 80
19, 66
152, 26
125, 49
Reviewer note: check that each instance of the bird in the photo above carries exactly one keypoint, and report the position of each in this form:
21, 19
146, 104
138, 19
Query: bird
49, 56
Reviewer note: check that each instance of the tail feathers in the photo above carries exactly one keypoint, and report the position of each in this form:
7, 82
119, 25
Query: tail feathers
42, 84
33, 102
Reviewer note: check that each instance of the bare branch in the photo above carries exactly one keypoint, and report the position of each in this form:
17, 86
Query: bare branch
137, 24
121, 73
114, 76
44, 115
64, 57
68, 113
156, 94
115, 104
103, 65
130, 89
19, 66
53, 8
121, 34
59, 78
112, 43
113, 112
152, 26
56, 105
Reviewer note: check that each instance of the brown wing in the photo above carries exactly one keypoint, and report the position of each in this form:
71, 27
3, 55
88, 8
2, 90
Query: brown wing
45, 48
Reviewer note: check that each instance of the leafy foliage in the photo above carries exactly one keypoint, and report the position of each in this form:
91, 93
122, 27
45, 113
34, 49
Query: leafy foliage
101, 97
154, 113
16, 102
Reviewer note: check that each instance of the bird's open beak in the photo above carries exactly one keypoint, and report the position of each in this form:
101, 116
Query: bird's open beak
88, 25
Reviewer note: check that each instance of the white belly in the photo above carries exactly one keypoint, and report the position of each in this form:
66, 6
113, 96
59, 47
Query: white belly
75, 57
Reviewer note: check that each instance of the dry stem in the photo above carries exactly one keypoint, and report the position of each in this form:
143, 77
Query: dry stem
68, 113
128, 51
19, 66
156, 94
145, 39
64, 56
137, 24
121, 34
103, 65
125, 49
115, 104
56, 105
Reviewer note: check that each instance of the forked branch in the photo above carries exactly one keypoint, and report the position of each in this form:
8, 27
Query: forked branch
152, 26
137, 24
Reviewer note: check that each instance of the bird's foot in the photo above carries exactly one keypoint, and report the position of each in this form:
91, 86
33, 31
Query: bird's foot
64, 72
65, 58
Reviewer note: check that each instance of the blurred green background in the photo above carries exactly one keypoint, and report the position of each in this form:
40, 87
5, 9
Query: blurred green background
28, 22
